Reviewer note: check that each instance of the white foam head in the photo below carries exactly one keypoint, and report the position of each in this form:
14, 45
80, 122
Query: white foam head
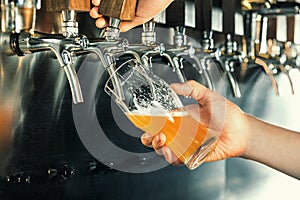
157, 112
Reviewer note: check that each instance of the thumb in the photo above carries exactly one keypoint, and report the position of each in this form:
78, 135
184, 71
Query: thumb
192, 89
126, 25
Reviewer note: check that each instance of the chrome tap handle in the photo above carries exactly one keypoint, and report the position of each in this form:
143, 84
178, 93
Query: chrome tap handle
27, 43
227, 68
149, 34
69, 24
112, 32
175, 63
146, 61
117, 10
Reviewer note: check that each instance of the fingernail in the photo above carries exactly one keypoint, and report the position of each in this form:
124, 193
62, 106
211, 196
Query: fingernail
157, 139
101, 22
146, 137
167, 154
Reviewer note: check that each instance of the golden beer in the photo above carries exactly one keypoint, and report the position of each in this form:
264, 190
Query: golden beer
184, 134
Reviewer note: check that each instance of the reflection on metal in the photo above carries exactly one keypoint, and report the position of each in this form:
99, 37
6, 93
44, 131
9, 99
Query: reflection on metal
37, 130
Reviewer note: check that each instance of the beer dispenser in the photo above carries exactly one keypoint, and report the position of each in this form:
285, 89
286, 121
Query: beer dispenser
61, 135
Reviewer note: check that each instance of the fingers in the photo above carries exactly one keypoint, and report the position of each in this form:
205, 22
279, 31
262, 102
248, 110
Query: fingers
146, 139
100, 22
192, 89
96, 2
158, 143
94, 13
127, 25
169, 156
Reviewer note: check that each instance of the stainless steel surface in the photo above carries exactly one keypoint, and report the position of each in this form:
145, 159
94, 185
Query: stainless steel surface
43, 156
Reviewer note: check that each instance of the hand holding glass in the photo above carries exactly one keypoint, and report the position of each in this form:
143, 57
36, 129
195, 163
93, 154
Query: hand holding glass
151, 105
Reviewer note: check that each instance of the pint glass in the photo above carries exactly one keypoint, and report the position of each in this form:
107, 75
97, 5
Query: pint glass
151, 105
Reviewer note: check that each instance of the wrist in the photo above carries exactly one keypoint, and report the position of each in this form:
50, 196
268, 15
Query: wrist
251, 131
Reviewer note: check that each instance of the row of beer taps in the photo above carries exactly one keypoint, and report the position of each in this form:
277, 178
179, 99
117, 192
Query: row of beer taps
276, 46
18, 38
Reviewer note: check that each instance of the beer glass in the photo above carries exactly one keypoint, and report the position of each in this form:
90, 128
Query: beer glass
151, 105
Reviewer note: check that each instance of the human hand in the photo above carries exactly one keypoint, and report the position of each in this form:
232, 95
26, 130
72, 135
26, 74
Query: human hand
215, 113
145, 11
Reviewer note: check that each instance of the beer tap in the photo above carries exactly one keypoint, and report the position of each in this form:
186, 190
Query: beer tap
290, 49
270, 52
204, 23
153, 50
186, 17
114, 46
186, 52
183, 52
63, 45
269, 69
231, 57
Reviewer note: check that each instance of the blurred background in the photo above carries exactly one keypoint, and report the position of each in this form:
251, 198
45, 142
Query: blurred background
247, 50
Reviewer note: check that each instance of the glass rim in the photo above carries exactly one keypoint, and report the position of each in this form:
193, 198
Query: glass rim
107, 88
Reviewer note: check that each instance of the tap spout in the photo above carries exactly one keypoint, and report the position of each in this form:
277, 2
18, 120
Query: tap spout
202, 67
27, 43
232, 79
107, 58
177, 68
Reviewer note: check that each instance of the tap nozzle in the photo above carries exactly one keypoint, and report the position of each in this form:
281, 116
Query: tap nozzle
26, 43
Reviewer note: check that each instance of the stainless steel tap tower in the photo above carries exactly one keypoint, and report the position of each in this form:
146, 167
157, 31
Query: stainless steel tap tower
48, 49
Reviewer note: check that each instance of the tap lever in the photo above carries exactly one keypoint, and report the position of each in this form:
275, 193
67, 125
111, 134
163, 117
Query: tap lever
119, 9
59, 5
269, 73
